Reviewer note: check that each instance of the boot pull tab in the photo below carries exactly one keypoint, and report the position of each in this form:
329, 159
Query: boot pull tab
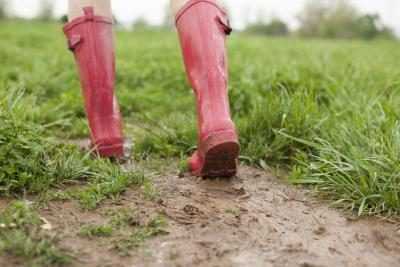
224, 22
74, 41
89, 13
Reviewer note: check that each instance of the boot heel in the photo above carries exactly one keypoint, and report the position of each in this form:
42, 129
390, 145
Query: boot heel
221, 152
110, 151
113, 148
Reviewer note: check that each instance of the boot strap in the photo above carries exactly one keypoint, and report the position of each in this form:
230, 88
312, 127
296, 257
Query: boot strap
224, 22
222, 18
88, 16
74, 41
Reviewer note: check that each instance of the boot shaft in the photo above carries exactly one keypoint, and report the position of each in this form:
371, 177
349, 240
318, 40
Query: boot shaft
202, 26
91, 40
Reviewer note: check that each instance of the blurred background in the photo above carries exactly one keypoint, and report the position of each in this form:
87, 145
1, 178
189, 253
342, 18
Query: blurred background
364, 19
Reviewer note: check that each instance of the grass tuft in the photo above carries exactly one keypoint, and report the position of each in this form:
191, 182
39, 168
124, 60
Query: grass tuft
21, 236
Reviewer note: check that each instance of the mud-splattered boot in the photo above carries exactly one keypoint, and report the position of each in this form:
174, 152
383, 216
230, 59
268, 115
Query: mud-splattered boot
202, 26
91, 40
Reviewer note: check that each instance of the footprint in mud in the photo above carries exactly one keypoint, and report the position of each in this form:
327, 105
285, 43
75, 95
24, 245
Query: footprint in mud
192, 210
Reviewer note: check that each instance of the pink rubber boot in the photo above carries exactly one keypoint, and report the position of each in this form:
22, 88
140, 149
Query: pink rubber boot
91, 40
202, 26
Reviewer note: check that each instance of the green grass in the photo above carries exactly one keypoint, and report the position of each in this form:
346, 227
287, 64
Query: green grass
22, 236
127, 229
327, 110
33, 162
96, 231
135, 238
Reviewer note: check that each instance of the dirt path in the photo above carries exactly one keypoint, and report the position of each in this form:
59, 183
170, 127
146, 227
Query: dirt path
256, 220
253, 220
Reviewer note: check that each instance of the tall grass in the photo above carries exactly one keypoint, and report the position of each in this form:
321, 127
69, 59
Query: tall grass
32, 162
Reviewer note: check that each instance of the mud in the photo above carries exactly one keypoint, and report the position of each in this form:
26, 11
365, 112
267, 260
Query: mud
252, 220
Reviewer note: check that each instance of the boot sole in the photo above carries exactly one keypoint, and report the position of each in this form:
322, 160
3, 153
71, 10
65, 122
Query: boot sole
221, 153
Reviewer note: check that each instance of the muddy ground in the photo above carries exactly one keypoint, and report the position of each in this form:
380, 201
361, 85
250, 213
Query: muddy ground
252, 220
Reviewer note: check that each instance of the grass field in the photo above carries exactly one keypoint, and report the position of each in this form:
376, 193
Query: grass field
326, 112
